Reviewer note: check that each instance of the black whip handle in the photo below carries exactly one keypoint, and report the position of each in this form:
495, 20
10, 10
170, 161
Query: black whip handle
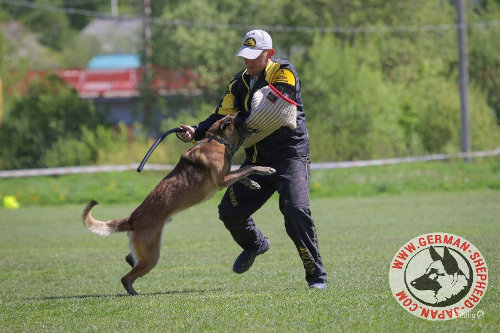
157, 142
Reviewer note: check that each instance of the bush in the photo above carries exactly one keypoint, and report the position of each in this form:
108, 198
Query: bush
351, 112
67, 153
42, 121
355, 111
435, 104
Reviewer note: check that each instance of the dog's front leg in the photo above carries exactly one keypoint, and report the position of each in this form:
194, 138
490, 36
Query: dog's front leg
253, 185
234, 176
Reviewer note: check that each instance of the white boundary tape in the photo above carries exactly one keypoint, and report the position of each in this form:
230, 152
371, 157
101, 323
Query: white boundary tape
314, 166
353, 164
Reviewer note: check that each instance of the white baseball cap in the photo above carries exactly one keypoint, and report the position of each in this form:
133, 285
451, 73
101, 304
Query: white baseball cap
254, 43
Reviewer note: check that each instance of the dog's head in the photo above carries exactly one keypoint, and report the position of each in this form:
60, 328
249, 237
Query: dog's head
440, 274
231, 129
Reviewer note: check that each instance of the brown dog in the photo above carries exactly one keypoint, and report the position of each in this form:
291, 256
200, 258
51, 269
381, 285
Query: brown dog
201, 171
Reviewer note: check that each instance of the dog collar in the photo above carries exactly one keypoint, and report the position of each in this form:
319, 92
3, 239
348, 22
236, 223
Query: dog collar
224, 142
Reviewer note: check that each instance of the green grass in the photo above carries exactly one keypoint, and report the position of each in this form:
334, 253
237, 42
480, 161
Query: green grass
408, 178
55, 276
132, 187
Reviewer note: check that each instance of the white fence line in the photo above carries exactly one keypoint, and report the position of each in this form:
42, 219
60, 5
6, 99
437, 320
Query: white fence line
354, 164
314, 166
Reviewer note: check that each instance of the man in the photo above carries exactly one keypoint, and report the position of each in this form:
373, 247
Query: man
285, 150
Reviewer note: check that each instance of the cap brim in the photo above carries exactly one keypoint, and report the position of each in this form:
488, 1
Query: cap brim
248, 53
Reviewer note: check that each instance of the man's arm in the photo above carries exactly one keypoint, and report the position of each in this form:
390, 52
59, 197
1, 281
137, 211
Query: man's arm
284, 81
203, 127
225, 107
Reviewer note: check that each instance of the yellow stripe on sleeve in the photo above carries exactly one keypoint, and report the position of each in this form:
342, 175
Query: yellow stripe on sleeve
284, 76
227, 104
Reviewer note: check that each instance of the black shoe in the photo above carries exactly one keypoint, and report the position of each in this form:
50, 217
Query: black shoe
246, 258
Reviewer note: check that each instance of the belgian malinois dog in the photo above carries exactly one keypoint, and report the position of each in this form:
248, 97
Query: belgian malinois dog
201, 171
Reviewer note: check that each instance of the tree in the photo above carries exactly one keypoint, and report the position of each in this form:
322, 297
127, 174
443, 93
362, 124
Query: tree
48, 112
78, 22
352, 113
52, 28
209, 52
484, 53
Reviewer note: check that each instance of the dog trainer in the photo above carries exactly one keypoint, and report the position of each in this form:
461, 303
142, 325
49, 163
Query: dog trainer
286, 150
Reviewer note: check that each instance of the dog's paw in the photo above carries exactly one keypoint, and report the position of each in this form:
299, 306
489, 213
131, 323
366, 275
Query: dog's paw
260, 170
250, 184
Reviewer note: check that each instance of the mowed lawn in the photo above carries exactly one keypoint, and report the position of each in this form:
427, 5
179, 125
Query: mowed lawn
55, 276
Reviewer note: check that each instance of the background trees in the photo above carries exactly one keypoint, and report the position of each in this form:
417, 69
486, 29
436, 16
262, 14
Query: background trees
379, 76
49, 116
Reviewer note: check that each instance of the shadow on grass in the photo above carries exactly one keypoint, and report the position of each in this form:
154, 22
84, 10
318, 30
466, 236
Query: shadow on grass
170, 292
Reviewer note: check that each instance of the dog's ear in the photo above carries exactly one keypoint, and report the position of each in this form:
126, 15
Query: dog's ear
434, 255
449, 262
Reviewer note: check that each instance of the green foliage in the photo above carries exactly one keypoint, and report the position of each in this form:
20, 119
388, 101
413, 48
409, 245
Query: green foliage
484, 56
186, 46
2, 54
387, 89
78, 22
132, 187
51, 27
485, 132
438, 123
79, 51
432, 116
85, 148
104, 145
407, 178
355, 115
47, 115
127, 145
67, 152
358, 110
366, 94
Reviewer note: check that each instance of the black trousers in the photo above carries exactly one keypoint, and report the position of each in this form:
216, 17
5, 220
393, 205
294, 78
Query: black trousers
292, 181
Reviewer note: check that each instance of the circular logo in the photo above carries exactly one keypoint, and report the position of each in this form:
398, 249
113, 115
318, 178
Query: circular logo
438, 276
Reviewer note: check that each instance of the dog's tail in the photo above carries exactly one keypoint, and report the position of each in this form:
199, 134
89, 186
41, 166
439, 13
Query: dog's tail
100, 227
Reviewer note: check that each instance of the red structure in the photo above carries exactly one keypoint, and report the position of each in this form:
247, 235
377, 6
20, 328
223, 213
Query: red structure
121, 83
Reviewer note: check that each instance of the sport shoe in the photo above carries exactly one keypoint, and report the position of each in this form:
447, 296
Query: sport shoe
246, 258
318, 285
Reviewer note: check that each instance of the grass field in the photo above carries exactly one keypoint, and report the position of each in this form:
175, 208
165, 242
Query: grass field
55, 276
131, 187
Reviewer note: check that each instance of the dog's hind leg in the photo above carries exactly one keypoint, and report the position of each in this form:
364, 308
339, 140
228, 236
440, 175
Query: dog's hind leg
130, 259
146, 249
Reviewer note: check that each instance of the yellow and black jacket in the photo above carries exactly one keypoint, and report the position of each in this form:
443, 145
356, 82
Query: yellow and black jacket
283, 143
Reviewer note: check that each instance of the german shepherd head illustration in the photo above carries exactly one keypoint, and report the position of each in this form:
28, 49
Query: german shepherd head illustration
444, 277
